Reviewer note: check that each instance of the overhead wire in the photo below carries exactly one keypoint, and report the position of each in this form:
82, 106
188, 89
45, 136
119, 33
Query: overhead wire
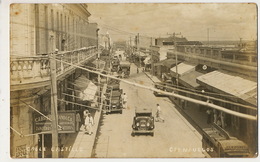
201, 95
232, 112
205, 96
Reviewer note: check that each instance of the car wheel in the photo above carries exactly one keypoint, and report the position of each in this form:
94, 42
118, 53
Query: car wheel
133, 134
121, 111
152, 134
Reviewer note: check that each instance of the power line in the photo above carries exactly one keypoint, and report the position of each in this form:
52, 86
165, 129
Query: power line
198, 94
213, 98
246, 116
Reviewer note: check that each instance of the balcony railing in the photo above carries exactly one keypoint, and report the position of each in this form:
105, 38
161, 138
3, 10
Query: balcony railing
33, 70
244, 58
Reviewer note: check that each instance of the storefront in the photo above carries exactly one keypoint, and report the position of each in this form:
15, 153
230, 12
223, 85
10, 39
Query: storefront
43, 127
187, 82
238, 89
162, 68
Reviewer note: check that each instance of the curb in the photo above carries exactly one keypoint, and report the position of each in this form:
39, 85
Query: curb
187, 116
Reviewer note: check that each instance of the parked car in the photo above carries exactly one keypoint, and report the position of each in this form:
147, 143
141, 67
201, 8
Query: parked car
125, 68
164, 86
115, 102
143, 122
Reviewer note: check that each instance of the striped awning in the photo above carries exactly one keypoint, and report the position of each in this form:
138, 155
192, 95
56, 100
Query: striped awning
85, 89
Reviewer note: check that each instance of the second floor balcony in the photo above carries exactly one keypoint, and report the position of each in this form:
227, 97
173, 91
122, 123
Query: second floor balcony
33, 72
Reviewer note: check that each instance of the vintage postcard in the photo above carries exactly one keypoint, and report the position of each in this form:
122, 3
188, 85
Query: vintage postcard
133, 80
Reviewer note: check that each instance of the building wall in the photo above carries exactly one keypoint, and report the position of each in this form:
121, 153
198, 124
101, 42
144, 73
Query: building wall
33, 25
21, 121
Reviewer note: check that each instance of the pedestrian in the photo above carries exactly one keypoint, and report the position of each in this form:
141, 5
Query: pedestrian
124, 101
78, 121
163, 77
215, 115
219, 122
85, 113
183, 104
209, 116
89, 122
159, 114
222, 119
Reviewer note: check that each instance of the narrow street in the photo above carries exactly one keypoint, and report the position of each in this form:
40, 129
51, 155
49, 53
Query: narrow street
173, 138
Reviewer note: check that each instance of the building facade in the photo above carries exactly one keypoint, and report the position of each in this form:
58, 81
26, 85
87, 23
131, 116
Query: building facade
227, 74
37, 30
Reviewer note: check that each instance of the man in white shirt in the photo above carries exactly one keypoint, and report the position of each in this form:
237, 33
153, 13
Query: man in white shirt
124, 101
159, 114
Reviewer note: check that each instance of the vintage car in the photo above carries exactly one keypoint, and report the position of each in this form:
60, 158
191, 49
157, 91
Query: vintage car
113, 84
115, 65
164, 86
115, 102
124, 69
143, 122
216, 142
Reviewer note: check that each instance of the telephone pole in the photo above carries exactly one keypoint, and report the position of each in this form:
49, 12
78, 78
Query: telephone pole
138, 49
176, 56
54, 113
208, 35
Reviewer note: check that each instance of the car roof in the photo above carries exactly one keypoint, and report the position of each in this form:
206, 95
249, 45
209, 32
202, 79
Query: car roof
116, 93
143, 110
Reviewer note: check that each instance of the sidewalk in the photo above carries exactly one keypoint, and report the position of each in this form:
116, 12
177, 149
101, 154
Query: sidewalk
153, 78
81, 146
192, 113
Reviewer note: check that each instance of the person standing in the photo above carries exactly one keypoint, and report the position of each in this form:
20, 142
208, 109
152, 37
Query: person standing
159, 114
124, 101
209, 116
78, 121
89, 122
85, 113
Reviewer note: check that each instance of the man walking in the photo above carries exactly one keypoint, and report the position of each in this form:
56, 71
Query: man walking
159, 114
124, 101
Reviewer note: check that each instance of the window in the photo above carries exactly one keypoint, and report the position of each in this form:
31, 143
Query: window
52, 20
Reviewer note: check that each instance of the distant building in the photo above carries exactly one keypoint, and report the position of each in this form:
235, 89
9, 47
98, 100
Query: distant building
169, 41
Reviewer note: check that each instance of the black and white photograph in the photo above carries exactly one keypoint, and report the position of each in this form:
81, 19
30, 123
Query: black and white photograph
133, 80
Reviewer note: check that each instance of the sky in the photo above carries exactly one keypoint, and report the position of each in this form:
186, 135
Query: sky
216, 21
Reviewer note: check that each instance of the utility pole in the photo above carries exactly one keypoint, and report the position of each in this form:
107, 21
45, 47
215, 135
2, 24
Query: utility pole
138, 49
54, 113
98, 63
130, 47
176, 56
208, 35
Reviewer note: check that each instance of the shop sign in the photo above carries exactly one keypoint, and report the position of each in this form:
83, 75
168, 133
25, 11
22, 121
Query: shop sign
66, 121
20, 151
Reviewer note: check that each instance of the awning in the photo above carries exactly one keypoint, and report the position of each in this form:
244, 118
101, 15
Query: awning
189, 79
85, 89
183, 68
232, 84
147, 60
167, 62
